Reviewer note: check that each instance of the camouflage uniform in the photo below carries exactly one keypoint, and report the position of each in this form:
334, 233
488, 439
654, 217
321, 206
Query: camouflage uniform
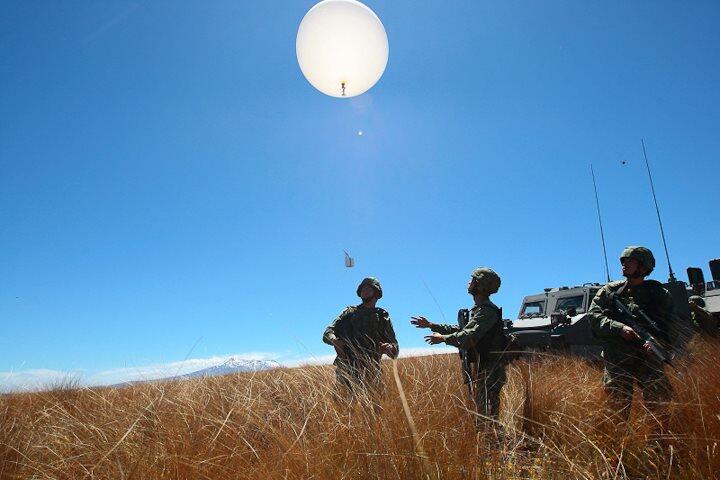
362, 330
483, 340
625, 361
703, 321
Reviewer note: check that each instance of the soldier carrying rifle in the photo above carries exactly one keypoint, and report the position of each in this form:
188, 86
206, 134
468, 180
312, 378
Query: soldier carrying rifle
636, 319
480, 338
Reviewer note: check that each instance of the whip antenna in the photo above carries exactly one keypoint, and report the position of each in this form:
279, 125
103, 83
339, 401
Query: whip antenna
602, 233
657, 209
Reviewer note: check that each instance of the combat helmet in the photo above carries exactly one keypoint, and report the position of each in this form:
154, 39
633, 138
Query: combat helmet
373, 282
487, 279
641, 254
697, 300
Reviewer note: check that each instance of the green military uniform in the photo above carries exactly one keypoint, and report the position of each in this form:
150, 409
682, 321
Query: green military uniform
703, 321
483, 340
625, 361
362, 330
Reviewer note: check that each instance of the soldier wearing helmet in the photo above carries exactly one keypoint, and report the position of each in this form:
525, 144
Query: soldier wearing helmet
627, 359
481, 340
361, 334
703, 321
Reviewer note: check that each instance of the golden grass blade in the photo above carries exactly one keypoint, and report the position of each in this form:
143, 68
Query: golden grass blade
411, 423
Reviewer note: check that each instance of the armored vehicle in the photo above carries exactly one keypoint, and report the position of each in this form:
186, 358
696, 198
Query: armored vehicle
710, 291
557, 319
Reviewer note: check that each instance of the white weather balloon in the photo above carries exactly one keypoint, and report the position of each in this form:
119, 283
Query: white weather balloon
342, 47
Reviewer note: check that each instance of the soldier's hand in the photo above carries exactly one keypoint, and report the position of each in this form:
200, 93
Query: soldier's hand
435, 338
648, 349
339, 348
629, 334
420, 322
386, 348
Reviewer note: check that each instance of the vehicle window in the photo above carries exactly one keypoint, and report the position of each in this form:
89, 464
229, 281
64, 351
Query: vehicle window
570, 302
533, 309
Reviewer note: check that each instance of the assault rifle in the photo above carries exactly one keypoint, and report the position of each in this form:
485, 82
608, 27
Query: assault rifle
466, 358
636, 319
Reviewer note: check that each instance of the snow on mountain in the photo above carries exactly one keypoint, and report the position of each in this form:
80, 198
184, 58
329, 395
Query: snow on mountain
233, 365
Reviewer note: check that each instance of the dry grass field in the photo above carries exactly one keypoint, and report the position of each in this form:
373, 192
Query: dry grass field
287, 423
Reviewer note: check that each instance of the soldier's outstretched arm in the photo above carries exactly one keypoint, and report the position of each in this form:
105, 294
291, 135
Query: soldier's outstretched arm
603, 326
444, 329
422, 322
481, 321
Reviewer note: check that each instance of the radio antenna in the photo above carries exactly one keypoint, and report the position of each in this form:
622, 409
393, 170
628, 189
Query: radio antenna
602, 233
657, 209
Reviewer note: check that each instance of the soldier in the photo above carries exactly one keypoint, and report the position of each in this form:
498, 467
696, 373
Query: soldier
481, 339
628, 359
361, 335
703, 320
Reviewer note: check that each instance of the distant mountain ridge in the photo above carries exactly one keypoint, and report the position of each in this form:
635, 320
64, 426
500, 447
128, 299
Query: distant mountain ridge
228, 367
232, 365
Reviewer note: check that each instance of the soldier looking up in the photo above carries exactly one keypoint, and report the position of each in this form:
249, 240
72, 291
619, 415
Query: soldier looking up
361, 335
628, 358
481, 341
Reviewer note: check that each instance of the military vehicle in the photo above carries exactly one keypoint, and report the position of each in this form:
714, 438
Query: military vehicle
557, 319
710, 291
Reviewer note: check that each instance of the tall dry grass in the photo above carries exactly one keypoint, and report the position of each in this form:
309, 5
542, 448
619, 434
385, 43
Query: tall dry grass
288, 423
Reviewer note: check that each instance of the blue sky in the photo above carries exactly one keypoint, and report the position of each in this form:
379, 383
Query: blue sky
172, 187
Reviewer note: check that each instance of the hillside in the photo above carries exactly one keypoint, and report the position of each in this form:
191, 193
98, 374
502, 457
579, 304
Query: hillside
286, 423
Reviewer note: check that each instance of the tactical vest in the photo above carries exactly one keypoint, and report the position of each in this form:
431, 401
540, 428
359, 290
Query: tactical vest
360, 329
493, 341
646, 297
